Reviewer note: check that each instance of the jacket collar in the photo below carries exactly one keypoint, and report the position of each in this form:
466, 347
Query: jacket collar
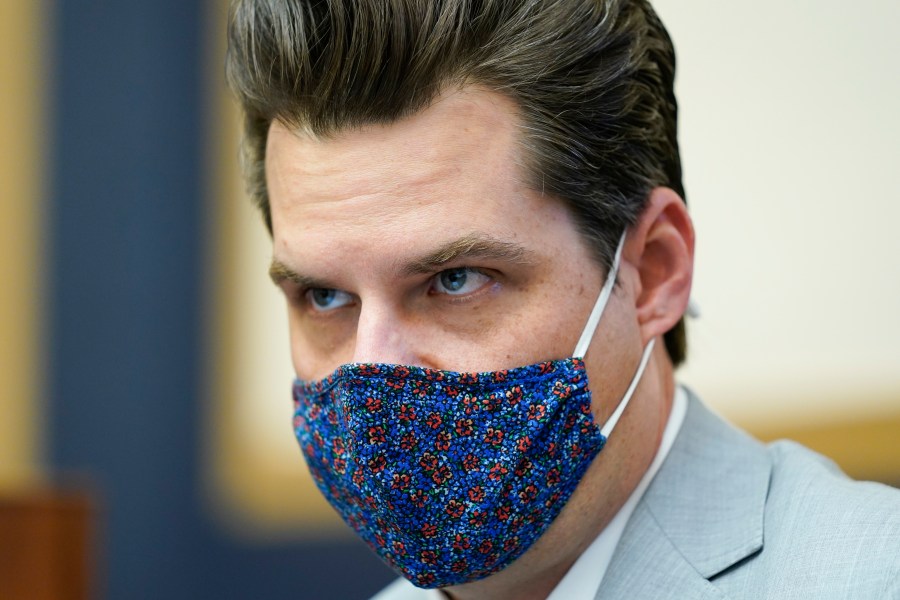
702, 513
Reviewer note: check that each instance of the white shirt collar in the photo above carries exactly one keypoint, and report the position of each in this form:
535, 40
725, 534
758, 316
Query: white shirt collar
585, 575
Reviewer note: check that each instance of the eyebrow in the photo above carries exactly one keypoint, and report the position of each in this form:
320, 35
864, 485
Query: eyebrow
473, 246
280, 272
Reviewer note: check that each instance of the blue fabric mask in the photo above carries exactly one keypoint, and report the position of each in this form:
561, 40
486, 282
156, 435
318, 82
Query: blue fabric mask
450, 476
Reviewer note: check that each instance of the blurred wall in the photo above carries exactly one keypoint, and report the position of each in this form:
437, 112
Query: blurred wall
129, 408
22, 172
789, 134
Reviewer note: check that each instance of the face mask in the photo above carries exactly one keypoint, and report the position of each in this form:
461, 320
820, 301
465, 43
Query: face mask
450, 476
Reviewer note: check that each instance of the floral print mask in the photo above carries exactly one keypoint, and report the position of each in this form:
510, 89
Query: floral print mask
450, 476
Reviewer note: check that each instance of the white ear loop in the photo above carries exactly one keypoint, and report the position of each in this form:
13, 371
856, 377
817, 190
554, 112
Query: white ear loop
614, 418
591, 327
594, 319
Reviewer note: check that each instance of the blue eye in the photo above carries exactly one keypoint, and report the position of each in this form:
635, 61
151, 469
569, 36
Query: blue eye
324, 299
458, 282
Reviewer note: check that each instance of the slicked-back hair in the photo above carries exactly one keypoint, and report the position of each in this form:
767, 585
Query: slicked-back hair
592, 80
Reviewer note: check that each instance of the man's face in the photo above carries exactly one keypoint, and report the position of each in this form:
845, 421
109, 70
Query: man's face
420, 243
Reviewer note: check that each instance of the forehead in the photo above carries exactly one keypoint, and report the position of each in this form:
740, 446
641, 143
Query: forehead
446, 172
466, 135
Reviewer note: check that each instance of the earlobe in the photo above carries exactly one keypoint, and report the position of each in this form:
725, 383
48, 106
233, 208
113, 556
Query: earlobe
663, 252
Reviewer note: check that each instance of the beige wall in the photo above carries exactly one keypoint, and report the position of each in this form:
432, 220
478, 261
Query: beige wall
258, 483
790, 136
21, 171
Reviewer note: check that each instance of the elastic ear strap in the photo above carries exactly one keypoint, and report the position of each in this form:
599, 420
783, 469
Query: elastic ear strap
614, 418
594, 319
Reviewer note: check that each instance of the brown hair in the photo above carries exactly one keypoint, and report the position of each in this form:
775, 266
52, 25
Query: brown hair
593, 80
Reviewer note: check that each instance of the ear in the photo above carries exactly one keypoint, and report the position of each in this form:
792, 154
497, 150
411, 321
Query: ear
660, 246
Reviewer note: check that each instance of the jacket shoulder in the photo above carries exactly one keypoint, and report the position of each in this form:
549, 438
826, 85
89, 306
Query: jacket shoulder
807, 485
825, 533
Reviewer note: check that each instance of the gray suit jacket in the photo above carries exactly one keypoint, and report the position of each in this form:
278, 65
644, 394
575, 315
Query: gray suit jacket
727, 517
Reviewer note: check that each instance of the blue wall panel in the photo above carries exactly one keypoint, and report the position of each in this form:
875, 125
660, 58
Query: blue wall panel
125, 276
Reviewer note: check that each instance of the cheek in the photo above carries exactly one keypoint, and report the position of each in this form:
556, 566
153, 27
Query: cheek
316, 350
561, 311
542, 322
612, 360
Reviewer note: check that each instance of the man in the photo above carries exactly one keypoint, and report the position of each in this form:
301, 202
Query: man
478, 223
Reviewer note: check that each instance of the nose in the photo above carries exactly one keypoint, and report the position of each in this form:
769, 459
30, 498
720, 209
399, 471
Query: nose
383, 336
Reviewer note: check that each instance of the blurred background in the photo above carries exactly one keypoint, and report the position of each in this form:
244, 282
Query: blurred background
145, 423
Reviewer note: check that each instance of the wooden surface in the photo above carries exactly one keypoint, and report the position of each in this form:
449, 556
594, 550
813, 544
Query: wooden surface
45, 546
865, 448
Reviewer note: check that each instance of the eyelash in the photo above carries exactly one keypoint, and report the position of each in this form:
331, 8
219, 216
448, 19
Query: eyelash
296, 295
300, 295
458, 298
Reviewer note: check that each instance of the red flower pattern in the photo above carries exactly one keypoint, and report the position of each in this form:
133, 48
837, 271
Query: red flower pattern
447, 476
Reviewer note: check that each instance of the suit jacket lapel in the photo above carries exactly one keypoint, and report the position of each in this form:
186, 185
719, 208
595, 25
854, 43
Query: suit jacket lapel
647, 566
702, 514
